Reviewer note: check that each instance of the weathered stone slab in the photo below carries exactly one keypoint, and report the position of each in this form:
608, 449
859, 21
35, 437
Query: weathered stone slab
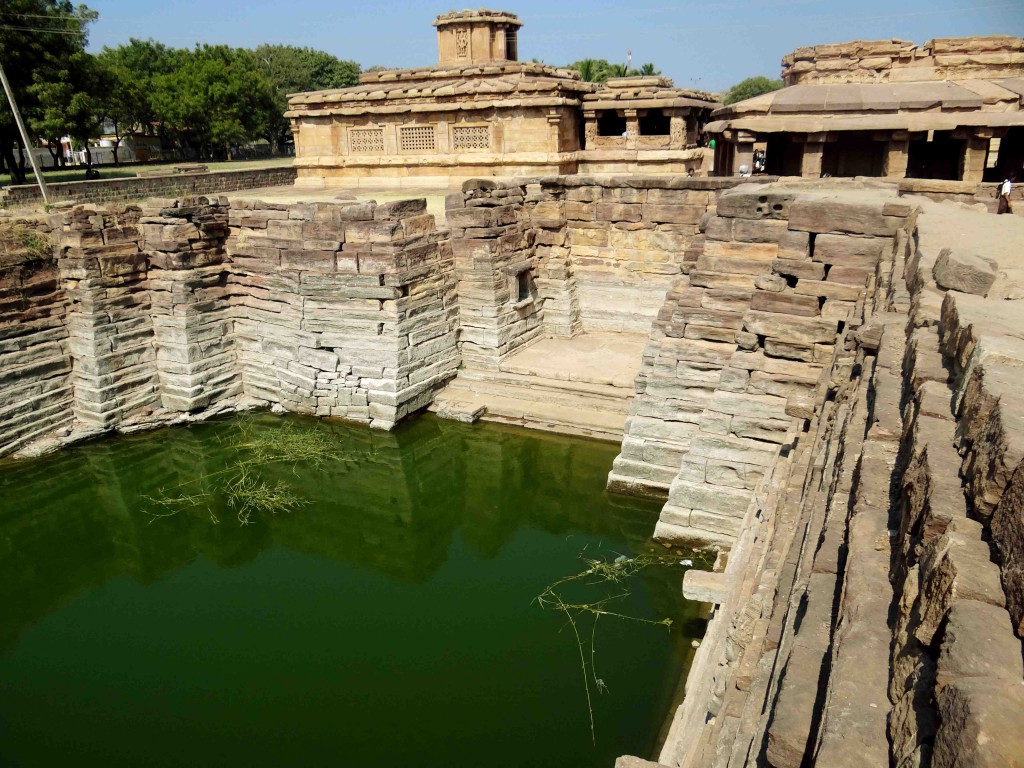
965, 272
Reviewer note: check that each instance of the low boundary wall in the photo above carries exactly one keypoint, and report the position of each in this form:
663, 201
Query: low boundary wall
122, 190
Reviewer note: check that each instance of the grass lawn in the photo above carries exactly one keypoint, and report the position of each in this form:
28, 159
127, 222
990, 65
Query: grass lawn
129, 171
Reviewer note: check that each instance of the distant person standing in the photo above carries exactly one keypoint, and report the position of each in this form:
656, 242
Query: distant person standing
1004, 195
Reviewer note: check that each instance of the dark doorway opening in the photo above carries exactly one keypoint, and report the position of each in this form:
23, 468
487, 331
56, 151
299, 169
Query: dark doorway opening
783, 156
940, 158
854, 153
1009, 157
655, 123
610, 123
511, 45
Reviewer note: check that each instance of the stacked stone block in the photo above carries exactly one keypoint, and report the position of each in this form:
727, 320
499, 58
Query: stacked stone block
890, 633
628, 240
865, 61
35, 391
104, 270
343, 309
501, 306
192, 324
742, 347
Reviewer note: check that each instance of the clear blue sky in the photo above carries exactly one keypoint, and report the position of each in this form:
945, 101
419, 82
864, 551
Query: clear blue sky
708, 45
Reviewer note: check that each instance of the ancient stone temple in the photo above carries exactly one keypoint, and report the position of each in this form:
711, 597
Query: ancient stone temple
480, 112
643, 124
951, 109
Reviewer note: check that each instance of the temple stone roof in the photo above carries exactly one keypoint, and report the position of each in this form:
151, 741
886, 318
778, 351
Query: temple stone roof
484, 15
645, 92
927, 105
472, 86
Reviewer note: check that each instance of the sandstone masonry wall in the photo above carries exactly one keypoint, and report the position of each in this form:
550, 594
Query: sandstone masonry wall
870, 609
184, 308
599, 254
742, 346
103, 271
897, 61
35, 366
343, 310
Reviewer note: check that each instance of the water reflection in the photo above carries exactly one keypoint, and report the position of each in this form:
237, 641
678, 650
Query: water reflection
71, 522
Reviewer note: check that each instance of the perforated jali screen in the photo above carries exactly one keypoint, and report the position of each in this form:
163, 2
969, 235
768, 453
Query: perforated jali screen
471, 137
416, 138
366, 141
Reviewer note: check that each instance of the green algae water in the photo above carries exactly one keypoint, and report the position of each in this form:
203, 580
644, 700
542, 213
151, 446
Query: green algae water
387, 621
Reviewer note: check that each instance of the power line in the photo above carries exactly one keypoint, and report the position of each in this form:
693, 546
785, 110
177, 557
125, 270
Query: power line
61, 16
44, 29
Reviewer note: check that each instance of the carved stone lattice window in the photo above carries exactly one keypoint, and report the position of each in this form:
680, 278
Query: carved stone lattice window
366, 141
416, 138
471, 137
461, 43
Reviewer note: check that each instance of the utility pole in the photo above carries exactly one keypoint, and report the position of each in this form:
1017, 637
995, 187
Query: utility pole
24, 135
629, 60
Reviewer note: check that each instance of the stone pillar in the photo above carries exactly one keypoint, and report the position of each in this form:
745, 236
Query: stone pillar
492, 248
192, 323
975, 154
814, 148
555, 121
897, 155
744, 152
678, 133
589, 130
632, 128
104, 273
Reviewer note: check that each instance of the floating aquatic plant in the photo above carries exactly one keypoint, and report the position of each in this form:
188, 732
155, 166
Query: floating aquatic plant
613, 576
239, 483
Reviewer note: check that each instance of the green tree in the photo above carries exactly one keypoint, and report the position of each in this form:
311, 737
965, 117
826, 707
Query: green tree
591, 70
751, 87
291, 69
40, 45
215, 95
130, 71
69, 102
599, 70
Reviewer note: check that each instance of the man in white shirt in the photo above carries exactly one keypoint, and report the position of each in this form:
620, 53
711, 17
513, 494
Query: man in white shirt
1004, 195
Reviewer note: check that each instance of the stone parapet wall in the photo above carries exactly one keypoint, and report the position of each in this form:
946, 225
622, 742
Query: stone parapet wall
102, 191
867, 61
968, 192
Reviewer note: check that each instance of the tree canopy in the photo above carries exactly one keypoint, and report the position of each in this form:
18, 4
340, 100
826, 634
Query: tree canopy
751, 87
203, 99
48, 70
599, 70
294, 70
